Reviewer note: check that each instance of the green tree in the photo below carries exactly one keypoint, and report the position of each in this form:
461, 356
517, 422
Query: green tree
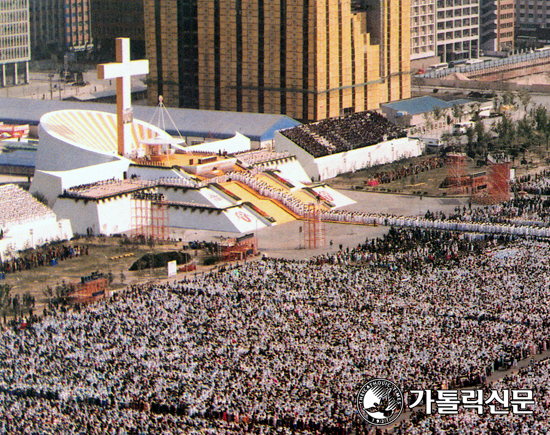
428, 120
525, 133
438, 113
505, 130
39, 196
542, 124
524, 98
458, 112
508, 99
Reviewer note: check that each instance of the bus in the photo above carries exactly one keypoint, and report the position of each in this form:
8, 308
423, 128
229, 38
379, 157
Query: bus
474, 61
439, 66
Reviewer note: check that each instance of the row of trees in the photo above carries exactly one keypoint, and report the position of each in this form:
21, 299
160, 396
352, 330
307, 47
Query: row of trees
531, 133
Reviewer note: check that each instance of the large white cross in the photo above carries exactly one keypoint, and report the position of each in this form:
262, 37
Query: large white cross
122, 70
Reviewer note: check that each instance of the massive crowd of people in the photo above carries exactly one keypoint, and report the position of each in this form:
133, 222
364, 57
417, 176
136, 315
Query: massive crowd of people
46, 256
17, 206
281, 346
336, 135
538, 184
406, 170
534, 377
520, 210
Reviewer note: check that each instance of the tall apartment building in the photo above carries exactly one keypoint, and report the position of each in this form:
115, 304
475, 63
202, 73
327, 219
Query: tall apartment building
308, 59
47, 30
15, 50
497, 25
532, 14
423, 33
457, 29
60, 25
113, 19
78, 27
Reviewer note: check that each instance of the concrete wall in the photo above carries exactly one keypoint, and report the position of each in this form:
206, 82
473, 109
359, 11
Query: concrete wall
481, 85
351, 161
82, 214
115, 214
34, 234
234, 219
57, 155
52, 183
109, 216
283, 144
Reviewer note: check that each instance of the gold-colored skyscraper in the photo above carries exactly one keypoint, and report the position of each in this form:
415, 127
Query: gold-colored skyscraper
308, 59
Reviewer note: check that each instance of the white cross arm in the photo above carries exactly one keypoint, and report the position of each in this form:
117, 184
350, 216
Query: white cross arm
116, 70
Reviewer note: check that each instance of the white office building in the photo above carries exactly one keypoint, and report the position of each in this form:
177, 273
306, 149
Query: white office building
15, 50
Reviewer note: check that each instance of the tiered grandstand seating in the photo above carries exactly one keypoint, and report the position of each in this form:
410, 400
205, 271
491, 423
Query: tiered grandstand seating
18, 205
336, 135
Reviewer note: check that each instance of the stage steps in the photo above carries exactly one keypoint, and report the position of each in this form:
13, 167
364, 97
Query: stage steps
267, 205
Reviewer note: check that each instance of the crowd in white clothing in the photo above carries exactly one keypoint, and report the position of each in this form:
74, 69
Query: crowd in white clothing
277, 345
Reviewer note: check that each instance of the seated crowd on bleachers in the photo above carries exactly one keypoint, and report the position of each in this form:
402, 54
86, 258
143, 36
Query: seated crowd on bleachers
19, 206
345, 133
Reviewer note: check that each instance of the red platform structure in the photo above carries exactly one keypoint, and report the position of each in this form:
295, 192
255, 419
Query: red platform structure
314, 232
239, 248
456, 173
150, 216
90, 289
498, 178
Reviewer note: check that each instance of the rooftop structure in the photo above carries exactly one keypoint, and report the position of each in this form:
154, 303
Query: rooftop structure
416, 106
106, 189
93, 133
193, 124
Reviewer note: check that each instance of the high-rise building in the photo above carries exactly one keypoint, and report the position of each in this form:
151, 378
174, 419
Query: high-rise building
457, 29
15, 50
308, 59
47, 26
57, 26
497, 25
532, 14
113, 19
422, 29
78, 27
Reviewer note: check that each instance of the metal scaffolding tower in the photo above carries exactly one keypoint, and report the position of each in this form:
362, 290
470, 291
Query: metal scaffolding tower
150, 216
498, 179
456, 173
314, 232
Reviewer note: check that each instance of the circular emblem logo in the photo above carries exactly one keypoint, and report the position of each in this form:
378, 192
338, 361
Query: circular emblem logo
243, 216
380, 402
